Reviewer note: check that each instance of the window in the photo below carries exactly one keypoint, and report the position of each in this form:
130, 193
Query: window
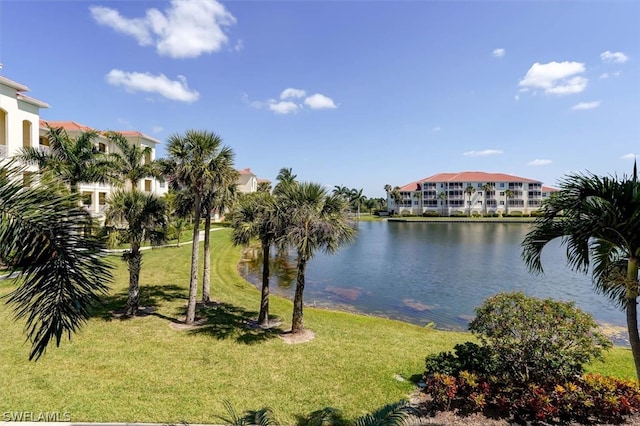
502, 194
102, 147
161, 183
502, 203
479, 185
501, 184
147, 185
102, 198
26, 134
86, 198
147, 158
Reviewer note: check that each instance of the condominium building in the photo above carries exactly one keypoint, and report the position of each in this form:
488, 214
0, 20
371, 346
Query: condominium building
21, 127
470, 193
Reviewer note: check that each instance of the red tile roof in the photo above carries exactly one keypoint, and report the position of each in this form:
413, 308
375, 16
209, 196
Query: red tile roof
72, 126
479, 177
246, 171
549, 189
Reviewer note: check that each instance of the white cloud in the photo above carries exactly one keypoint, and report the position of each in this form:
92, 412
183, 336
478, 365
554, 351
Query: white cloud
482, 153
539, 162
436, 129
186, 29
157, 129
318, 101
630, 156
291, 101
557, 78
585, 105
498, 53
292, 93
176, 90
614, 57
283, 107
610, 74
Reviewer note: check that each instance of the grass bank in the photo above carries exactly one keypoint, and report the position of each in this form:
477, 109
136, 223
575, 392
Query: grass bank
148, 370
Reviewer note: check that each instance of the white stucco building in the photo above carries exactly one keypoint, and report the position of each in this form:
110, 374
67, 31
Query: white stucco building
21, 126
470, 193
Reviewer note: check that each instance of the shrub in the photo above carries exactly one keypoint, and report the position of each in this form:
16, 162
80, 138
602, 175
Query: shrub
468, 357
535, 340
431, 213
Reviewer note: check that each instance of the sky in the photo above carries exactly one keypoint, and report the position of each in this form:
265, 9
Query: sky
349, 93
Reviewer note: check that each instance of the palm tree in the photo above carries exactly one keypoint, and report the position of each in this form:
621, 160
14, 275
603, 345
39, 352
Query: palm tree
73, 161
61, 271
264, 186
218, 200
598, 219
508, 194
138, 217
469, 190
131, 160
285, 177
258, 216
442, 196
396, 195
316, 221
356, 198
418, 197
486, 188
198, 162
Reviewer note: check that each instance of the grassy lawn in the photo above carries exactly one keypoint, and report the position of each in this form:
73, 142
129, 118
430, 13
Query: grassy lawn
147, 370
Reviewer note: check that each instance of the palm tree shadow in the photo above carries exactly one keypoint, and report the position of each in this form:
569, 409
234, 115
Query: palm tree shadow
112, 305
226, 321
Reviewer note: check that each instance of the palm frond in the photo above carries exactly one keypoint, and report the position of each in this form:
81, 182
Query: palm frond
395, 414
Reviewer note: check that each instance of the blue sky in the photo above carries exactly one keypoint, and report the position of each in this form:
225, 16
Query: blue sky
354, 93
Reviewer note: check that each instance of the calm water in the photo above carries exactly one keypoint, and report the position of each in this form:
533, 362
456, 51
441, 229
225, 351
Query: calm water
434, 272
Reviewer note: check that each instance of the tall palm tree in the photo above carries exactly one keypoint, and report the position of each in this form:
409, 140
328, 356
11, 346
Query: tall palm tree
508, 194
259, 216
131, 160
220, 199
442, 196
198, 162
598, 219
60, 268
74, 161
138, 217
469, 190
486, 189
316, 221
418, 196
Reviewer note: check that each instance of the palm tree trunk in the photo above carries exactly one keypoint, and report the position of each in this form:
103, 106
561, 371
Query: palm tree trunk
206, 273
134, 264
296, 322
632, 312
263, 317
193, 284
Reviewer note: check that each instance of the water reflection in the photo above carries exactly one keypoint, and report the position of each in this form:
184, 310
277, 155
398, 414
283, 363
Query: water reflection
432, 272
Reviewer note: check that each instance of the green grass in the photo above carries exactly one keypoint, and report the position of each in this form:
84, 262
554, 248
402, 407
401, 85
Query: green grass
145, 370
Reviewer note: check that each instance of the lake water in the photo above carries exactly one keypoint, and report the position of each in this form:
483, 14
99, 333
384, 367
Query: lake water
434, 273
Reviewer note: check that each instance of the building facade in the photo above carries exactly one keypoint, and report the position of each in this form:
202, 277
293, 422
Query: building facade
21, 127
470, 193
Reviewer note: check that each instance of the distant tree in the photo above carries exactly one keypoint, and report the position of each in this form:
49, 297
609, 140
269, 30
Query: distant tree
396, 196
598, 219
418, 196
442, 196
486, 189
508, 194
316, 221
469, 190
137, 217
356, 198
285, 178
59, 267
264, 186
